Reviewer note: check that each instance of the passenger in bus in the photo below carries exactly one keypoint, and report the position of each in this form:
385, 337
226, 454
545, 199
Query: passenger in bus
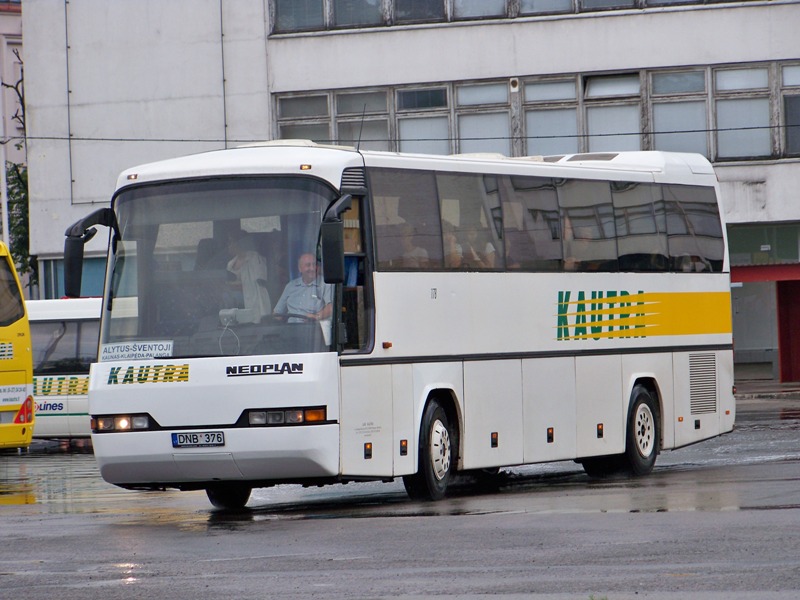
307, 295
694, 264
413, 257
477, 253
250, 271
453, 252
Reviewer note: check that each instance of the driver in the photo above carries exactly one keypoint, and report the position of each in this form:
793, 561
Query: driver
307, 295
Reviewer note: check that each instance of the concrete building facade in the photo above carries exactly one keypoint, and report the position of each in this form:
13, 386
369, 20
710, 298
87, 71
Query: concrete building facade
113, 84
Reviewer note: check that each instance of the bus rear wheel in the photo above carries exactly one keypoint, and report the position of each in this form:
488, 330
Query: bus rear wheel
644, 433
641, 442
228, 496
437, 442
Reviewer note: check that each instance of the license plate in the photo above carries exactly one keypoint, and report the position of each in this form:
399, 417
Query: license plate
198, 439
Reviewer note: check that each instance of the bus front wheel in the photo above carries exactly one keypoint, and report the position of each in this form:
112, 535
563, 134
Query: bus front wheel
436, 456
230, 496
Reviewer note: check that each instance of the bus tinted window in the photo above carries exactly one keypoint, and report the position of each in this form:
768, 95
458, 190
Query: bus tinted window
641, 226
11, 308
406, 219
496, 222
470, 209
64, 347
693, 228
531, 224
588, 218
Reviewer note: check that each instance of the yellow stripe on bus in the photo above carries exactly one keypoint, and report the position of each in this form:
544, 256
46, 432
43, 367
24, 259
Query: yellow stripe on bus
647, 314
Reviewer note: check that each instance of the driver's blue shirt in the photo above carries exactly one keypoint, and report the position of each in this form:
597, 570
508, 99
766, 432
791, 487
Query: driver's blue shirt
301, 298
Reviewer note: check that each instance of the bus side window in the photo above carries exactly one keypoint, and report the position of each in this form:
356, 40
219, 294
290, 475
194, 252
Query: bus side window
641, 226
693, 228
531, 223
589, 239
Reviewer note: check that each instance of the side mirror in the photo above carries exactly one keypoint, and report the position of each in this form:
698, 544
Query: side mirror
332, 237
78, 234
73, 265
332, 234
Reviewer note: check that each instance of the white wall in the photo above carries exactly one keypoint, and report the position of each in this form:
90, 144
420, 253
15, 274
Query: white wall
762, 192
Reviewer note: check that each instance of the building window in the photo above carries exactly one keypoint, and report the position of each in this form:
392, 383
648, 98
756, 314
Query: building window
303, 106
552, 131
743, 128
415, 11
317, 132
680, 111
613, 128
680, 127
551, 117
366, 134
764, 244
589, 5
299, 15
421, 99
361, 120
481, 126
613, 123
428, 135
538, 7
485, 132
791, 109
315, 15
471, 9
352, 13
743, 113
722, 113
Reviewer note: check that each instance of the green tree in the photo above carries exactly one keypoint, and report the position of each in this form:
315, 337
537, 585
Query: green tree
18, 224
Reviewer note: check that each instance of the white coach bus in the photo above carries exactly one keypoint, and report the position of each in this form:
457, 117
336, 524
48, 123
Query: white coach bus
470, 313
64, 336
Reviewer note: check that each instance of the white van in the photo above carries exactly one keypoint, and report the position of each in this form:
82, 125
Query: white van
64, 334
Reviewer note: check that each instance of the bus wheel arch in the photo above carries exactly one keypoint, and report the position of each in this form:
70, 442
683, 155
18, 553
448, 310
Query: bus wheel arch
438, 448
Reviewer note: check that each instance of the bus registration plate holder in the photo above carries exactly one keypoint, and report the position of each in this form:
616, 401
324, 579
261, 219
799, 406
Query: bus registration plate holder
198, 439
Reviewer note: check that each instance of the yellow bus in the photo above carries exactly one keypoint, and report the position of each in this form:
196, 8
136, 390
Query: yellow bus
16, 363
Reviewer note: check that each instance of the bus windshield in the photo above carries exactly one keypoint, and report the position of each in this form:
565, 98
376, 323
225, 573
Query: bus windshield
202, 267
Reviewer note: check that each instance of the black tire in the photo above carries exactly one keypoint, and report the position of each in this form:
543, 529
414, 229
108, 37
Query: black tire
437, 444
228, 496
642, 442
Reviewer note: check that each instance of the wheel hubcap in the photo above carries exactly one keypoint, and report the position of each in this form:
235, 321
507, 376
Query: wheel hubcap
645, 436
440, 450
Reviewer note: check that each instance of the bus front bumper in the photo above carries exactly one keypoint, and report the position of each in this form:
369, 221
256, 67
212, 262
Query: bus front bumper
273, 455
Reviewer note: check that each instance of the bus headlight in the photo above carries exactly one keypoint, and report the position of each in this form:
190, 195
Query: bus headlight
112, 423
105, 424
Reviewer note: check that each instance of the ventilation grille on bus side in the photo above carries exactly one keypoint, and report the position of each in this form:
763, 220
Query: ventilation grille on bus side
703, 383
354, 178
